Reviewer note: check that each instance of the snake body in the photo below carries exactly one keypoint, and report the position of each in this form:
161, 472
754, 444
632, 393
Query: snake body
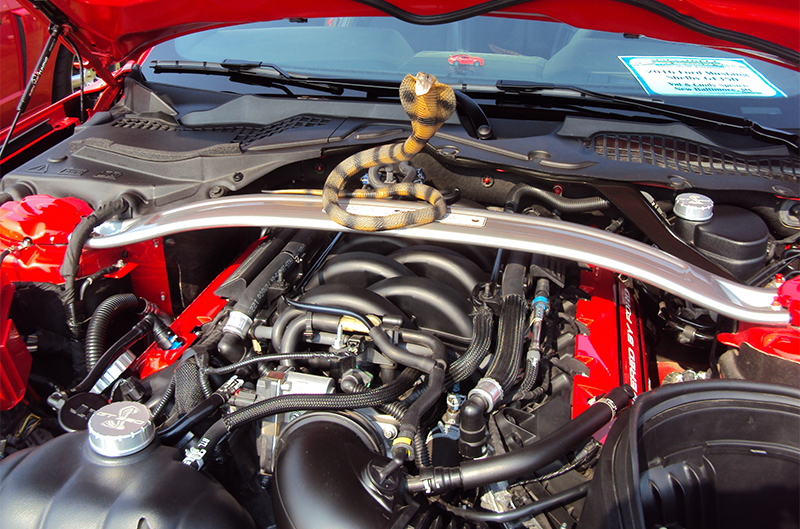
428, 104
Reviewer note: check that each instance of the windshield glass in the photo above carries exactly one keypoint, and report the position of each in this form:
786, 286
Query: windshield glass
474, 54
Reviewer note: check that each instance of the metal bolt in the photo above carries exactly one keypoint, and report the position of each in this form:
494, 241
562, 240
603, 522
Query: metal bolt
163, 296
389, 430
216, 192
294, 415
487, 181
155, 243
237, 177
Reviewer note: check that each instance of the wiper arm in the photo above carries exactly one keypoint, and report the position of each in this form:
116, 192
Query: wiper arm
266, 74
686, 115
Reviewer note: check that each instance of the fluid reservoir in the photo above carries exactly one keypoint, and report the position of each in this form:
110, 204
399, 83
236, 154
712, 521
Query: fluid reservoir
734, 238
115, 475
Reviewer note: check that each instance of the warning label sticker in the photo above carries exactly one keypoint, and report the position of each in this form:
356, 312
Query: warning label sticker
699, 76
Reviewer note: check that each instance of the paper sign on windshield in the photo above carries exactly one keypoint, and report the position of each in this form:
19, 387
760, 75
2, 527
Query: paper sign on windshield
699, 76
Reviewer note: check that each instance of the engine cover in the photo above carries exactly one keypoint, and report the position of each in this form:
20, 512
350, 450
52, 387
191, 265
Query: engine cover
63, 483
613, 351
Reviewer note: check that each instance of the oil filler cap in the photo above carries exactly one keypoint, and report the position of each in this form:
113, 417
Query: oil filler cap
120, 429
694, 207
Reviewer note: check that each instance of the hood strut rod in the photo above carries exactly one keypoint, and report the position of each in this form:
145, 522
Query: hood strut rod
55, 31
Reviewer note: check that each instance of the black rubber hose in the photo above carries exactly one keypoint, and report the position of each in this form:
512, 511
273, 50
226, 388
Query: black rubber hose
510, 337
120, 346
72, 256
478, 473
334, 311
165, 398
253, 296
482, 324
423, 458
280, 326
378, 335
288, 403
95, 343
410, 425
563, 204
225, 370
560, 498
176, 431
297, 327
531, 373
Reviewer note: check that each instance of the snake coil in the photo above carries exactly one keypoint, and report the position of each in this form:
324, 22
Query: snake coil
429, 104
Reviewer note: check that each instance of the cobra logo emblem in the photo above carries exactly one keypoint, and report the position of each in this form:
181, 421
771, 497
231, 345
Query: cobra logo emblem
122, 418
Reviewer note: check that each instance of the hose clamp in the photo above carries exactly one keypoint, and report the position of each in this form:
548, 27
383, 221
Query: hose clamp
238, 324
489, 390
610, 403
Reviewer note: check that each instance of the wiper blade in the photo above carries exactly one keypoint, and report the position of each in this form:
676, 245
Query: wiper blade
683, 114
266, 74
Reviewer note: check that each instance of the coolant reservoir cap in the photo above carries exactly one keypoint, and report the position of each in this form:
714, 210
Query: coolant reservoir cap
120, 429
694, 207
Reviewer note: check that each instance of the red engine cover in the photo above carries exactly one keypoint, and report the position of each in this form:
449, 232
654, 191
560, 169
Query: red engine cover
614, 349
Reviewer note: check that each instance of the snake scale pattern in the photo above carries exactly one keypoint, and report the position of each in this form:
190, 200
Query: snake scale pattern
428, 104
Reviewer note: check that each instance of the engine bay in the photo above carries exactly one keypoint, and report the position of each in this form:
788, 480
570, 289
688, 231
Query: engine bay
186, 328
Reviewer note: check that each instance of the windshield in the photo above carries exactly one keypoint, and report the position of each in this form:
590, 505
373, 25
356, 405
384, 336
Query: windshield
474, 54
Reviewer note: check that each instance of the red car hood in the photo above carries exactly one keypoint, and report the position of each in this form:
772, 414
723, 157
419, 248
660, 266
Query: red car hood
109, 31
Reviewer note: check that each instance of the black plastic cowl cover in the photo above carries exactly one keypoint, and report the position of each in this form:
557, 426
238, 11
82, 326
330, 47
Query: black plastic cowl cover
63, 483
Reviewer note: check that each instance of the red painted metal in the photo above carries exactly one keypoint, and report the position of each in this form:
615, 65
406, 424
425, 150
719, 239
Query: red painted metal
15, 360
109, 30
199, 312
47, 222
614, 350
782, 341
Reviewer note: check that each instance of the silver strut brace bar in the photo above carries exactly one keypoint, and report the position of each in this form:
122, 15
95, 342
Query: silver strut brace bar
551, 237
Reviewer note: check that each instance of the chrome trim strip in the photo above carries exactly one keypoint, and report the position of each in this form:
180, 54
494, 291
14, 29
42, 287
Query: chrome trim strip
510, 231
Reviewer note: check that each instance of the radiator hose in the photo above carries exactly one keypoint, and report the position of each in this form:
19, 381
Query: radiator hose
481, 472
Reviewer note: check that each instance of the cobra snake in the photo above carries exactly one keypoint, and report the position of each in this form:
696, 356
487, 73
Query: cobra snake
429, 104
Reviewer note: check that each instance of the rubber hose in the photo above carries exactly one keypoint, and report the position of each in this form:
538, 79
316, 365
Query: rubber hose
410, 424
395, 409
101, 319
510, 336
482, 323
165, 398
120, 346
288, 403
72, 256
478, 473
202, 365
295, 330
225, 370
280, 326
532, 509
531, 372
423, 458
563, 204
176, 431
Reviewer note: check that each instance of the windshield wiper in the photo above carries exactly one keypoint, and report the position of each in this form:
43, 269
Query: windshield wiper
265, 74
683, 114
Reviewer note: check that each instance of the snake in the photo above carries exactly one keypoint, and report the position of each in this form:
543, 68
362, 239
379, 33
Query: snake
428, 104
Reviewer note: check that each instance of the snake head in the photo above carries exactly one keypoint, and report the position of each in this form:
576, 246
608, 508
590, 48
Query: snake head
424, 83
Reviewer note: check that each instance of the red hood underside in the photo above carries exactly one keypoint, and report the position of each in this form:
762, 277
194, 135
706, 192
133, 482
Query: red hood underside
109, 31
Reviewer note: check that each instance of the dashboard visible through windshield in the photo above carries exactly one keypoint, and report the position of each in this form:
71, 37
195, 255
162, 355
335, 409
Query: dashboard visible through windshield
474, 54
